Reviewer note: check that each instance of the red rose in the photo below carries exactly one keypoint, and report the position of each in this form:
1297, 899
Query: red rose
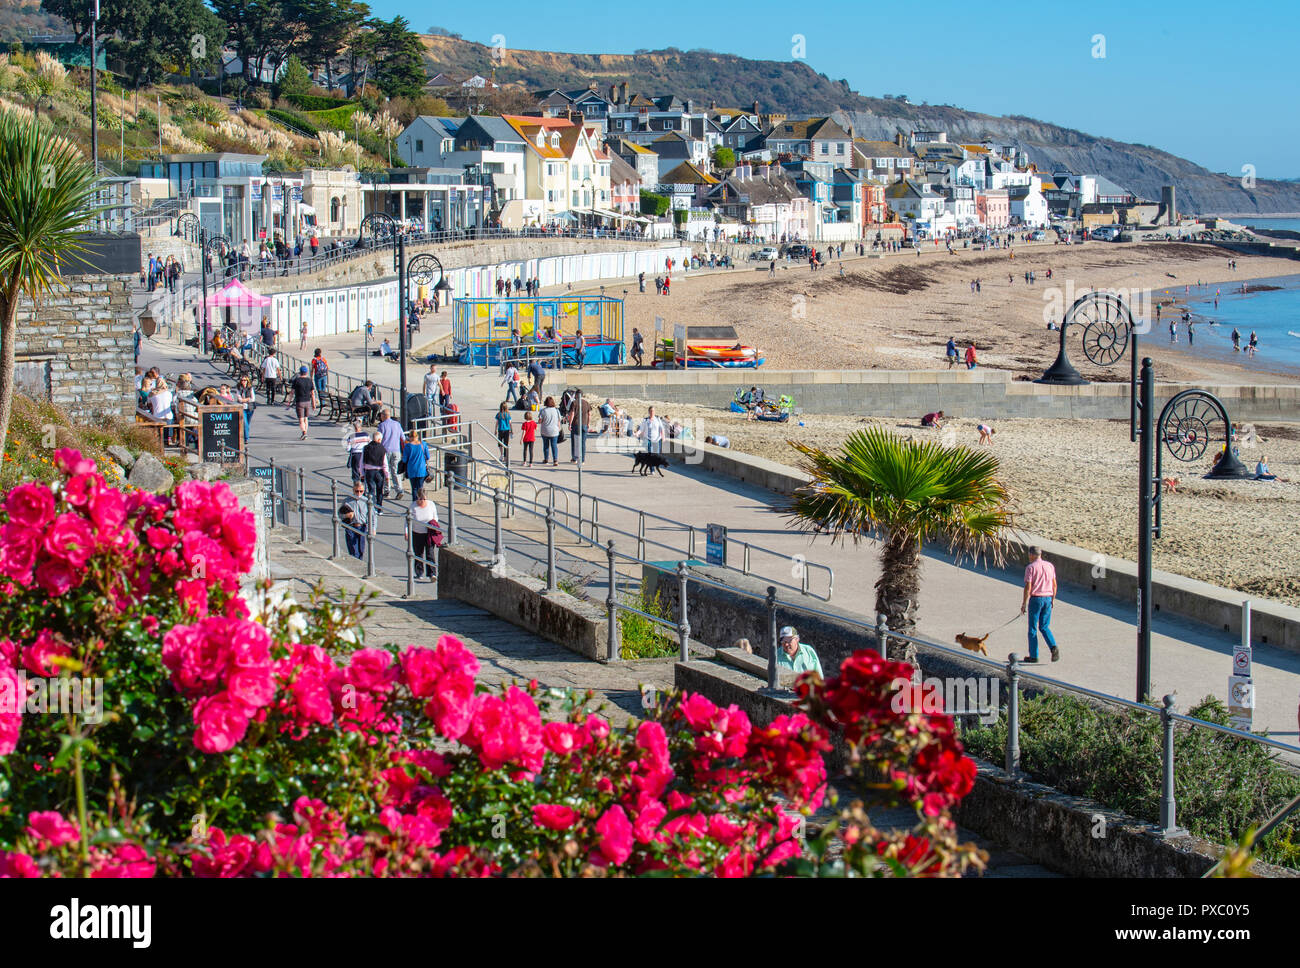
554, 816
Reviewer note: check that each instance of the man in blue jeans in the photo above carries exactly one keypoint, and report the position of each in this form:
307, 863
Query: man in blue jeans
1040, 592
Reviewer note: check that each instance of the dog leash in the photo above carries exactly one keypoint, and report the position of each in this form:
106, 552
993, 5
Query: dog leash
1004, 624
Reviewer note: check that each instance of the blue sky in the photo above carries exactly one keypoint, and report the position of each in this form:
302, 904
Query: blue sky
1238, 106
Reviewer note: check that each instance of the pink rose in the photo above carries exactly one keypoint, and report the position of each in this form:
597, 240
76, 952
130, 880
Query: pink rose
49, 827
70, 539
615, 835
72, 463
454, 656
78, 489
452, 705
14, 864
57, 576
221, 723
597, 728
699, 712
18, 545
311, 698
37, 656
107, 508
372, 670
127, 860
648, 820
13, 700
31, 505
420, 670
554, 816
653, 741
563, 738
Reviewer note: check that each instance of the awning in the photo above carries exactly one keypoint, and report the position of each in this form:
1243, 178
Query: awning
235, 293
562, 216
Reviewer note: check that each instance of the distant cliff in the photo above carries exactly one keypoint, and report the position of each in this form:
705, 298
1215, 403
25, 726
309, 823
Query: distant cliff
795, 88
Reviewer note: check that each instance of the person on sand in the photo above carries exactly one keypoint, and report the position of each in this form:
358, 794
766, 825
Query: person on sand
1262, 473
986, 433
934, 420
1236, 339
971, 361
951, 352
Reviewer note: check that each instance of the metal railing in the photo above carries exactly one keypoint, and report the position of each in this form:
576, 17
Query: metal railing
595, 515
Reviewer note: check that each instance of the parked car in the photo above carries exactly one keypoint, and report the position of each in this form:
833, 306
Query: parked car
765, 254
797, 251
1039, 236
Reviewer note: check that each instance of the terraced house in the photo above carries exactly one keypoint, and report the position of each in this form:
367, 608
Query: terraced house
565, 169
816, 139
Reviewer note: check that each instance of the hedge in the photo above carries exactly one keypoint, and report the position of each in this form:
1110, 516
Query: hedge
314, 102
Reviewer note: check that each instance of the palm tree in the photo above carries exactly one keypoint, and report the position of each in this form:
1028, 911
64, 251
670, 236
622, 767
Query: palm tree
46, 191
908, 493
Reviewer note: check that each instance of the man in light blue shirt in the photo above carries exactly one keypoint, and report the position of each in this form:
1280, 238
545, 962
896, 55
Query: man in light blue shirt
392, 439
795, 655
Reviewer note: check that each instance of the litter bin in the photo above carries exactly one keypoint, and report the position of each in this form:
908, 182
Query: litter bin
458, 466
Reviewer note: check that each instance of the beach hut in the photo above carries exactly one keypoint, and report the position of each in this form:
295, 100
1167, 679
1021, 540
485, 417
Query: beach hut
244, 308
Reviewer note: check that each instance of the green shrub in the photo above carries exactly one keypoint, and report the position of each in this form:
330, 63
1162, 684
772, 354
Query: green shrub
653, 204
313, 102
292, 119
338, 118
1223, 785
641, 638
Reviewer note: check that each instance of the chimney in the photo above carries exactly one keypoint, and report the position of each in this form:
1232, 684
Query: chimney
713, 105
755, 111
593, 86
690, 106
613, 94
623, 97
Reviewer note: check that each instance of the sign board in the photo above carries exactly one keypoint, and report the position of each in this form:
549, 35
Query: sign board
1241, 655
715, 544
255, 191
1241, 701
273, 482
220, 434
297, 193
679, 343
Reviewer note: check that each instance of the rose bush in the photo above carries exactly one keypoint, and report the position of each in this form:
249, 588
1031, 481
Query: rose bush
261, 738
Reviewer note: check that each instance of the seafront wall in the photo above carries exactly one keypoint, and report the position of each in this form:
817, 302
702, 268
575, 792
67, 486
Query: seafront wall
974, 394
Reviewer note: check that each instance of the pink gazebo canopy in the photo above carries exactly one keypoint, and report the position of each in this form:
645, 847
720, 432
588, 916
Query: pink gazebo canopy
235, 293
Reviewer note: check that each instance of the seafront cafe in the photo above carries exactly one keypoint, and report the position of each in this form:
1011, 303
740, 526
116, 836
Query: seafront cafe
428, 199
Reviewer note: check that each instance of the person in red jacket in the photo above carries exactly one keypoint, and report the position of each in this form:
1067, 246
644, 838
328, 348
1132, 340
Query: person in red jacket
529, 436
970, 357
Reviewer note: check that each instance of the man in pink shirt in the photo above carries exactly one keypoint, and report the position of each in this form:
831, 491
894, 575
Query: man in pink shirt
1040, 592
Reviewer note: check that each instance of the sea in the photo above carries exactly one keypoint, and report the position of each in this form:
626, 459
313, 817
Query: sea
1263, 222
1274, 315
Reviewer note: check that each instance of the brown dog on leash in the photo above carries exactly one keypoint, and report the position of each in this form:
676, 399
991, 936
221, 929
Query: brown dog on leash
972, 644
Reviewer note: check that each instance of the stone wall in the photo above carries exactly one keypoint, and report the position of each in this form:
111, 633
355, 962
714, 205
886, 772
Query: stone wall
976, 394
82, 335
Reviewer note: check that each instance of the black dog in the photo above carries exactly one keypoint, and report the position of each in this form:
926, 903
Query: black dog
648, 462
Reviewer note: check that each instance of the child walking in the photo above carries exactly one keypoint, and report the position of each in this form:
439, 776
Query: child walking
529, 436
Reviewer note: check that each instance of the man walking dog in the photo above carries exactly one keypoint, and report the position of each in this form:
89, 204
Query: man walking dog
1039, 594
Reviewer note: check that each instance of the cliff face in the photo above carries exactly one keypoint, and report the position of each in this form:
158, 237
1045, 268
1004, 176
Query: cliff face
796, 89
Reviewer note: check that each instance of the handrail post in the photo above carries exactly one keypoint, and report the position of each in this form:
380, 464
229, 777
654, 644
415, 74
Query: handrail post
690, 543
451, 509
302, 506
683, 622
882, 635
334, 518
773, 644
640, 535
611, 603
1168, 804
1013, 715
498, 550
595, 518
431, 564
372, 526
803, 578
744, 570
550, 550
410, 557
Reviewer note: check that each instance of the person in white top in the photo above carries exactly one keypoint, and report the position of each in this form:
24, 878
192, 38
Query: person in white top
270, 376
160, 407
548, 428
511, 382
652, 430
424, 532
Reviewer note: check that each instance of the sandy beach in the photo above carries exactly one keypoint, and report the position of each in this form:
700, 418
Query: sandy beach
897, 312
1075, 481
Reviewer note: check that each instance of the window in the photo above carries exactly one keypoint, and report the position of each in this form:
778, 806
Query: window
419, 144
334, 209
